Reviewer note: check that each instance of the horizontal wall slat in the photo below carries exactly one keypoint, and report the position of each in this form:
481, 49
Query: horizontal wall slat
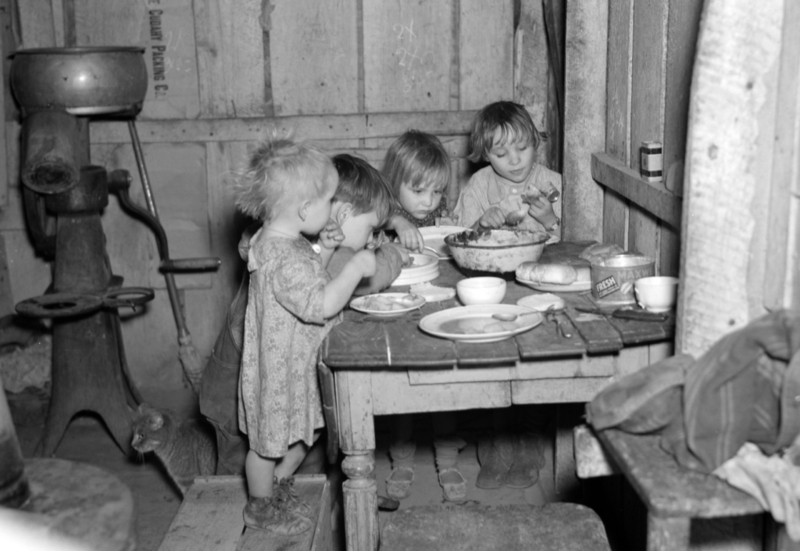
311, 127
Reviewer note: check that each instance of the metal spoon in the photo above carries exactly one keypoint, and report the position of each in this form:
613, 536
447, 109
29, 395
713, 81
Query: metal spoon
513, 317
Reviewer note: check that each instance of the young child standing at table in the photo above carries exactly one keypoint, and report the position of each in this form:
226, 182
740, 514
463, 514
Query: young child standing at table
503, 134
362, 204
417, 169
290, 306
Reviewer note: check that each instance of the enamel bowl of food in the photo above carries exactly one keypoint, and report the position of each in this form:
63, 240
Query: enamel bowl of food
423, 267
495, 250
481, 290
387, 304
559, 278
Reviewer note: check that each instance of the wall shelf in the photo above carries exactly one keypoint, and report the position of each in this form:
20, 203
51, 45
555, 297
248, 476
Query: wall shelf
613, 174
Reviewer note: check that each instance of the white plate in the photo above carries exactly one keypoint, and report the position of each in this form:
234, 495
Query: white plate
434, 238
450, 323
415, 278
362, 303
542, 302
554, 288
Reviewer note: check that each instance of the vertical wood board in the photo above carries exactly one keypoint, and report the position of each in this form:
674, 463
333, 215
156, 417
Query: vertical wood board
647, 109
171, 57
618, 109
314, 57
683, 24
584, 118
230, 38
738, 44
37, 24
781, 245
532, 70
407, 55
486, 52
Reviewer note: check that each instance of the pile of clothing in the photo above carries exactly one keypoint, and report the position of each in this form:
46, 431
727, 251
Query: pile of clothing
734, 412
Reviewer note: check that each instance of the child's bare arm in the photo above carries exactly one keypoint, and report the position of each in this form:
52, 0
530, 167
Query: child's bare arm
339, 290
410, 237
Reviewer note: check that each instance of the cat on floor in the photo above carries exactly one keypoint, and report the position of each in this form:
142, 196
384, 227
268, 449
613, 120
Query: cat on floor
186, 446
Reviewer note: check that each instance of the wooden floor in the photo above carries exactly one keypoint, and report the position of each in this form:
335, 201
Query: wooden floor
157, 501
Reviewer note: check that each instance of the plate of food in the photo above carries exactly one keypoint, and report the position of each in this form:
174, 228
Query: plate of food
481, 322
387, 304
423, 267
433, 236
555, 278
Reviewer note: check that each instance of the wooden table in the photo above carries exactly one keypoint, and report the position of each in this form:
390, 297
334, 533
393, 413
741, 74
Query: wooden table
388, 365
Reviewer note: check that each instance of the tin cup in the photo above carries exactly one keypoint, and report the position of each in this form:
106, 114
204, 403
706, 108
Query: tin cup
613, 277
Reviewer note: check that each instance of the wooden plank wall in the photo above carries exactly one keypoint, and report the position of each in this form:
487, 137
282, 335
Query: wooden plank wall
650, 59
351, 75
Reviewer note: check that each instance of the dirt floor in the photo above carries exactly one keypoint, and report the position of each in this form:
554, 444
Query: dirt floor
157, 500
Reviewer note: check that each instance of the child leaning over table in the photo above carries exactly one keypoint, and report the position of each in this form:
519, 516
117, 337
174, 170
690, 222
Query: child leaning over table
362, 203
417, 169
504, 135
291, 304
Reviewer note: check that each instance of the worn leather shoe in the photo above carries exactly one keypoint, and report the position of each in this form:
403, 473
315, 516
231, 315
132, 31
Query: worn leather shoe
496, 456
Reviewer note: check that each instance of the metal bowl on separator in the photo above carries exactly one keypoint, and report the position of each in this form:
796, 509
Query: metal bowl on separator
93, 80
495, 250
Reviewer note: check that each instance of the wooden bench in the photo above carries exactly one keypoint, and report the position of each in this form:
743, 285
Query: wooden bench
210, 518
672, 494
471, 526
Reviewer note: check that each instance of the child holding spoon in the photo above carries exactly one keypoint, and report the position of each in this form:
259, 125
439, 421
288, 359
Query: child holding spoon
514, 190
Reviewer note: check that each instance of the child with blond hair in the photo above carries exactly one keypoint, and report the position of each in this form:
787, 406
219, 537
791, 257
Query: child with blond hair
504, 135
417, 169
291, 304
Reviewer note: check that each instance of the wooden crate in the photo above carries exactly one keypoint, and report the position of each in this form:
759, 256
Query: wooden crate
211, 518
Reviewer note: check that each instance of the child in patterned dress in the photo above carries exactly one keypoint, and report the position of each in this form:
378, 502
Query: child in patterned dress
417, 169
291, 304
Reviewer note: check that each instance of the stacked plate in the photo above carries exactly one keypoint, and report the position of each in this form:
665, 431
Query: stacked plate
425, 267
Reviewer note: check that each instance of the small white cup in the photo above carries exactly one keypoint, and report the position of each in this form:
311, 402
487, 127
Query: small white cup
656, 294
481, 290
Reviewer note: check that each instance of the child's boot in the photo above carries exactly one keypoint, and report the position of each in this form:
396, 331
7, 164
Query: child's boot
496, 455
285, 493
264, 513
528, 459
398, 484
446, 450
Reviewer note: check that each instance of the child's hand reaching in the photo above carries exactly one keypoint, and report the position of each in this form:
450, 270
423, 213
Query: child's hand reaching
331, 235
494, 217
542, 210
409, 236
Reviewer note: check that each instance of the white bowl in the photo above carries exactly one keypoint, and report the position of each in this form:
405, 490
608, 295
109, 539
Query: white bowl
481, 290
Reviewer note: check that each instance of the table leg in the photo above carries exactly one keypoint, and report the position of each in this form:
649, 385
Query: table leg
360, 501
668, 534
357, 441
